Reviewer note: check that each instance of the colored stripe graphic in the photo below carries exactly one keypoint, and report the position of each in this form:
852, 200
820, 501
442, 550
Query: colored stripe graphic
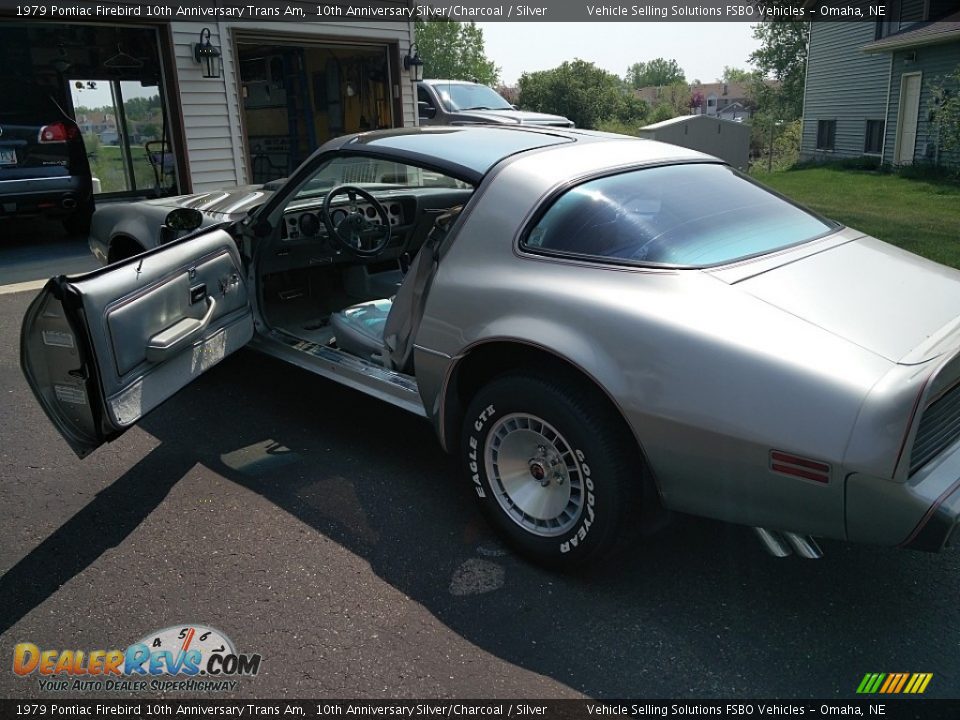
903, 680
891, 680
894, 683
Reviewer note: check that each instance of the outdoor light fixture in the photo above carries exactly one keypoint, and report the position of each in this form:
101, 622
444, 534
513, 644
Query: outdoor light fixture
207, 55
414, 63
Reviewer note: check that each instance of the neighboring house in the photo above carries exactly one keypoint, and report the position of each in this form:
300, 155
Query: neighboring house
720, 97
729, 101
95, 123
277, 92
735, 111
672, 95
868, 88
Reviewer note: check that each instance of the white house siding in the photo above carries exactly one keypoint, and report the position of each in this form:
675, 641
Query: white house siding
843, 84
211, 108
210, 137
934, 62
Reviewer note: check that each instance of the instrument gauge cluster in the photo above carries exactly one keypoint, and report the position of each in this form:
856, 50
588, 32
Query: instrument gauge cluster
309, 223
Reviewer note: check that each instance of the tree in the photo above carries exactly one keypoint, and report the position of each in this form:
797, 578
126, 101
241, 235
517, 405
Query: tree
675, 99
149, 130
737, 75
946, 110
657, 72
782, 56
581, 91
140, 108
454, 51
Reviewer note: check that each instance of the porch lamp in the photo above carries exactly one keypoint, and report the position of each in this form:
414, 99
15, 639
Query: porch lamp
414, 63
207, 55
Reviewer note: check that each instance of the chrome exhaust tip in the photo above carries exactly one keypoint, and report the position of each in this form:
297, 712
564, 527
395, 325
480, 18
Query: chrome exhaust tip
773, 542
781, 544
804, 545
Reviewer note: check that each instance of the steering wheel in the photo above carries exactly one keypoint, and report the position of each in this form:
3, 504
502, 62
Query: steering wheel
355, 232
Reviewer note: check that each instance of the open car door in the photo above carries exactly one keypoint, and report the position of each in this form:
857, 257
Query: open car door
102, 350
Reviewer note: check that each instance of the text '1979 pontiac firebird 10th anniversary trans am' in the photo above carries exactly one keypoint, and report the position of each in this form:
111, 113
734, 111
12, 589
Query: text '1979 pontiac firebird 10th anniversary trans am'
601, 327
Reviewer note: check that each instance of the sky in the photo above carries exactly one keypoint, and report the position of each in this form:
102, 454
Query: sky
100, 95
701, 49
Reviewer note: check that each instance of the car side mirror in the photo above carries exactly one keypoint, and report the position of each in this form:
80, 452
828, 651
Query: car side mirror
262, 229
425, 110
184, 219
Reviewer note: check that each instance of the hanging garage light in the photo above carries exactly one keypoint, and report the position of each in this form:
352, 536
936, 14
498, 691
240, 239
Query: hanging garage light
414, 63
207, 55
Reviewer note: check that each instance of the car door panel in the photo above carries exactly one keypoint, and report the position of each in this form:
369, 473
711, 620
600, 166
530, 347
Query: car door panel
133, 322
103, 349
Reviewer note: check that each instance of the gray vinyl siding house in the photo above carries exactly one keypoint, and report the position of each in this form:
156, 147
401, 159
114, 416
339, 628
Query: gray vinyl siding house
929, 63
869, 85
844, 86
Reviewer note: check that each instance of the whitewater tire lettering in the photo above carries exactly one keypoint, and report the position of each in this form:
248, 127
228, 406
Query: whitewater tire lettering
473, 444
581, 534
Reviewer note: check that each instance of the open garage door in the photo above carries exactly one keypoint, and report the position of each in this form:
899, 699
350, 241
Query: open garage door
109, 79
298, 94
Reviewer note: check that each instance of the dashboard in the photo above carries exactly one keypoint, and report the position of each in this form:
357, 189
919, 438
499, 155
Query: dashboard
303, 241
308, 223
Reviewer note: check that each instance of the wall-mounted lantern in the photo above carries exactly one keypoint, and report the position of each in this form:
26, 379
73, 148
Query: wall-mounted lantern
207, 55
414, 64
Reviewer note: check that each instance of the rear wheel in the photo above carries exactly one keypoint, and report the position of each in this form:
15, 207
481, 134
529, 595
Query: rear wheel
554, 468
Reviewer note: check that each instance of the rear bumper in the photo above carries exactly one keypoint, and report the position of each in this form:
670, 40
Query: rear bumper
60, 195
919, 514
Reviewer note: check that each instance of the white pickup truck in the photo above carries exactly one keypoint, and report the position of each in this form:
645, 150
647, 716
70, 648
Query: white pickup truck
458, 102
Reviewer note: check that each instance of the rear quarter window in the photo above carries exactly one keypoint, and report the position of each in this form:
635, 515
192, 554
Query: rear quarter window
694, 215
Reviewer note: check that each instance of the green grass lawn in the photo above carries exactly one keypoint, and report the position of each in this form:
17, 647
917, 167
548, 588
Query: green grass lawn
107, 165
922, 216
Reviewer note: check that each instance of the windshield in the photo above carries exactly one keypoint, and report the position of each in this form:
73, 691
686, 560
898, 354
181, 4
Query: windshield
679, 215
372, 174
457, 96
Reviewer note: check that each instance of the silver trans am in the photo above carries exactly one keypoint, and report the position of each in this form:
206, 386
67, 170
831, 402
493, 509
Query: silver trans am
601, 329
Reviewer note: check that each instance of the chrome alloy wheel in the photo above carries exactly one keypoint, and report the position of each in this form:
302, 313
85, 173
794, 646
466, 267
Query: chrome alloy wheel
534, 474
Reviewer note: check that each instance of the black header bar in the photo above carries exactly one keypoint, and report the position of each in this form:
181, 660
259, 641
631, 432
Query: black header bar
300, 11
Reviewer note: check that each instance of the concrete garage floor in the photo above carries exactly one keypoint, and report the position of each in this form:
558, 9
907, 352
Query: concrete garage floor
35, 248
329, 533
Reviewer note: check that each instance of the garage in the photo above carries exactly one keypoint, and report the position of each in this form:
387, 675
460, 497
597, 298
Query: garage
161, 122
116, 82
299, 93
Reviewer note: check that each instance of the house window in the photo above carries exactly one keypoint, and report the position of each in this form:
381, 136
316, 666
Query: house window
873, 140
826, 133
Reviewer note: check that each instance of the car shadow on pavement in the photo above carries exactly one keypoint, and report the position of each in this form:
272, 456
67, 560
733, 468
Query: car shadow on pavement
695, 611
102, 524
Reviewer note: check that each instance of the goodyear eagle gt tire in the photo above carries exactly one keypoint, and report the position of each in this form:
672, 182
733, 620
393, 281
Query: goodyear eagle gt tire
554, 467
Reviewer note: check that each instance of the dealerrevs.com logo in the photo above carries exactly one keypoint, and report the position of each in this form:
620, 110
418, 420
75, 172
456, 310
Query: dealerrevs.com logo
200, 657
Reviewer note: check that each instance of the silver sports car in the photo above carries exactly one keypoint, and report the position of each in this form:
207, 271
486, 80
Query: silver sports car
601, 328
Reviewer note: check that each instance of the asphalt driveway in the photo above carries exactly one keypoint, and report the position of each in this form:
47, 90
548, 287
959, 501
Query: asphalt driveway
329, 533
